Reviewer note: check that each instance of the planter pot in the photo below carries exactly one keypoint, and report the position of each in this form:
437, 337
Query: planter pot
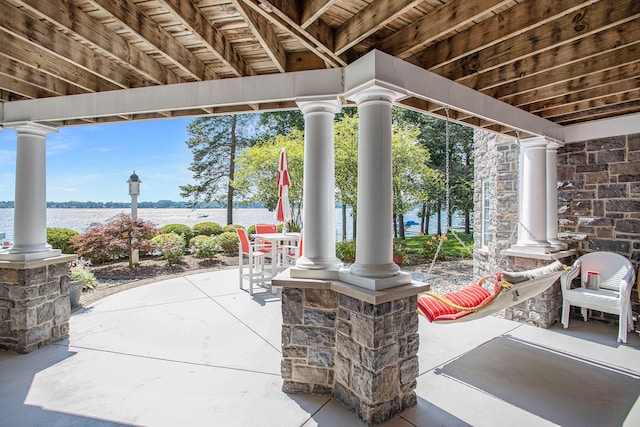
75, 290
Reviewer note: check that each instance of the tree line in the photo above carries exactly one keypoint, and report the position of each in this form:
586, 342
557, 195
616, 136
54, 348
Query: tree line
235, 161
160, 204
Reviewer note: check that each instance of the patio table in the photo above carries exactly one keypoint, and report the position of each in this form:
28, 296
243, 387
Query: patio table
276, 240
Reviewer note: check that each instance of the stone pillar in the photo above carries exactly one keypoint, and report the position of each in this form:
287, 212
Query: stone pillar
361, 349
374, 267
552, 196
318, 258
30, 213
532, 229
34, 303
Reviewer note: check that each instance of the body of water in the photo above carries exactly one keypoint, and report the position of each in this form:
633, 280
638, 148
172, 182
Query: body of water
81, 219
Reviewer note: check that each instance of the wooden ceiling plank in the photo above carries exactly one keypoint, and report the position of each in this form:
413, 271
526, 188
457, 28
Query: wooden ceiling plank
596, 64
312, 10
569, 28
34, 31
22, 88
312, 37
304, 60
45, 62
522, 17
579, 83
577, 97
594, 113
440, 21
262, 30
67, 15
605, 101
128, 14
580, 50
36, 78
217, 43
369, 20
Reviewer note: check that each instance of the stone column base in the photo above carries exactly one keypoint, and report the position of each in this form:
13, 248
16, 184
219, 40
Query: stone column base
355, 344
544, 309
34, 303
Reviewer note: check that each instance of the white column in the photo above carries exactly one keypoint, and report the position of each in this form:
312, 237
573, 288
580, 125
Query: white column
532, 228
374, 267
30, 213
318, 258
552, 196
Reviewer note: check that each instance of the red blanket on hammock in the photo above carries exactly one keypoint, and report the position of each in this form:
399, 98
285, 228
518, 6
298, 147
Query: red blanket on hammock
435, 310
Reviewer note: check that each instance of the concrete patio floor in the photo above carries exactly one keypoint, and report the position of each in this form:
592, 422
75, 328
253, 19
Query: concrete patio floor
196, 350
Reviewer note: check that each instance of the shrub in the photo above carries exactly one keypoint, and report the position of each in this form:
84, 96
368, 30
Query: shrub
207, 229
228, 242
251, 230
115, 239
230, 227
181, 229
171, 245
346, 250
88, 279
60, 238
205, 246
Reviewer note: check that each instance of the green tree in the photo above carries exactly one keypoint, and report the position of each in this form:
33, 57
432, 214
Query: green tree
255, 177
215, 142
346, 166
279, 123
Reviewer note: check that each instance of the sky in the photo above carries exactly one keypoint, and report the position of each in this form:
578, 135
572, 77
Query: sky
94, 162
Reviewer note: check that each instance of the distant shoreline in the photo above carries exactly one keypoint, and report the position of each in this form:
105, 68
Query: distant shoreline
161, 204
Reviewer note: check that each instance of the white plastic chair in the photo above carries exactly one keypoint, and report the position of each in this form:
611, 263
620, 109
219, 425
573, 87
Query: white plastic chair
255, 273
617, 277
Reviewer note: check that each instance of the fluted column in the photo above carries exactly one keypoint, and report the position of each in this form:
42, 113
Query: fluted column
552, 196
318, 258
374, 246
532, 229
30, 209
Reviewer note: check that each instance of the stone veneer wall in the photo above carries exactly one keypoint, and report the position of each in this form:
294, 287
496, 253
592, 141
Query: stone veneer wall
34, 304
599, 193
365, 355
496, 160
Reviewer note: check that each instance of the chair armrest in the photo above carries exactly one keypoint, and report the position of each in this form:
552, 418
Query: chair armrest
567, 277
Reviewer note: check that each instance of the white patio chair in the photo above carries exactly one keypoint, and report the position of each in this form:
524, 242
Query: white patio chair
255, 272
613, 296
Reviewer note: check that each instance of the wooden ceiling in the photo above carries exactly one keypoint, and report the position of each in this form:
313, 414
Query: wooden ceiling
568, 61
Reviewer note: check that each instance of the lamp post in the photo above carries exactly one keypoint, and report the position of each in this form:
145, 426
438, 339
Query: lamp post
134, 191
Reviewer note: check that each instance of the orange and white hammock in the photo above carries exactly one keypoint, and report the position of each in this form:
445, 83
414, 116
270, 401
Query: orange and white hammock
475, 302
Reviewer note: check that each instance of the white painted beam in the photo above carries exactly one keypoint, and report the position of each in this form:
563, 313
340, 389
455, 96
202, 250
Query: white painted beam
380, 67
183, 96
604, 128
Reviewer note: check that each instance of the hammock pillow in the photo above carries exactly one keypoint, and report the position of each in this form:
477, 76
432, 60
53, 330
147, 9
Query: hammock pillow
522, 276
435, 310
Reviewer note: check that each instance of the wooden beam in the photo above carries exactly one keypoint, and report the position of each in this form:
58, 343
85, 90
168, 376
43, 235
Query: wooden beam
262, 30
596, 113
440, 21
34, 77
304, 60
608, 60
45, 62
584, 108
22, 88
569, 28
368, 20
215, 41
581, 96
128, 14
317, 37
18, 23
579, 83
65, 14
521, 17
312, 10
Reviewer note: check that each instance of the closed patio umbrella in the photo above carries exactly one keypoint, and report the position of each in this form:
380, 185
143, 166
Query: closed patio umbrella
283, 208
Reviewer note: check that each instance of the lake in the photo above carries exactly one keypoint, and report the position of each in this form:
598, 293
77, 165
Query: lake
81, 219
